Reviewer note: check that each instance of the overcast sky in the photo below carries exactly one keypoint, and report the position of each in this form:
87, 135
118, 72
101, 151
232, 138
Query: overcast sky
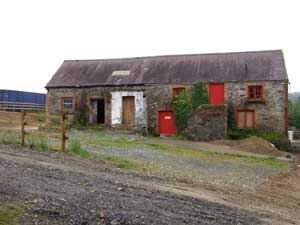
37, 35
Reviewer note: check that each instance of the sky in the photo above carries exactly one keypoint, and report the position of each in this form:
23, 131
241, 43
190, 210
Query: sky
37, 35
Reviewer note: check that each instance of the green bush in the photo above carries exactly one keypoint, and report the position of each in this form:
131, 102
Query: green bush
182, 107
242, 134
237, 134
199, 95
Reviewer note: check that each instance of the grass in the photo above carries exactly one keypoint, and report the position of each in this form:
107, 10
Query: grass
75, 148
40, 143
204, 155
191, 153
14, 138
9, 138
217, 156
11, 214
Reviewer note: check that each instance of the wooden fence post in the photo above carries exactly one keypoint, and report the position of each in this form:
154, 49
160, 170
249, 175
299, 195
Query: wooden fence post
63, 133
23, 128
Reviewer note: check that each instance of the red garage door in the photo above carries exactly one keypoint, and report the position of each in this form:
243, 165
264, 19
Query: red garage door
166, 122
216, 94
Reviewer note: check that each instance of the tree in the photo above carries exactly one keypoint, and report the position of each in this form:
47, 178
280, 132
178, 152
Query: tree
294, 114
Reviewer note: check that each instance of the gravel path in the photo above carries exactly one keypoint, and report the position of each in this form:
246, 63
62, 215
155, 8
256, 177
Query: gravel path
63, 189
234, 173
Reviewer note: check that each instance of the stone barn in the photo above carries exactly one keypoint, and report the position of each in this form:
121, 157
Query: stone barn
136, 93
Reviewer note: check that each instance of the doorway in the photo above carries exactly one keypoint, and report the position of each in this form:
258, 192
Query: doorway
97, 114
216, 94
166, 124
128, 108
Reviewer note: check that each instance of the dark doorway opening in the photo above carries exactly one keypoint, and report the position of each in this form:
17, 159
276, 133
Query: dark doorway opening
100, 111
97, 113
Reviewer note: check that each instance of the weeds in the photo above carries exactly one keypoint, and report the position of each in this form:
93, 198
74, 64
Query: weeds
75, 148
40, 143
9, 138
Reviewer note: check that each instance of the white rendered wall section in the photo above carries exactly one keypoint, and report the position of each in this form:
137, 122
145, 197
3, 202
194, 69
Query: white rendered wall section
139, 103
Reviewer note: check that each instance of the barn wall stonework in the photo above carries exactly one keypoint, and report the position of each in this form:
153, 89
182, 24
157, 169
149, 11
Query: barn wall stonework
270, 114
207, 122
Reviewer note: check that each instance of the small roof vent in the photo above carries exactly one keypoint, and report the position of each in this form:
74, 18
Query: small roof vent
121, 73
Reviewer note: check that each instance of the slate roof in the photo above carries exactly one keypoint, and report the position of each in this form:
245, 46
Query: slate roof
219, 67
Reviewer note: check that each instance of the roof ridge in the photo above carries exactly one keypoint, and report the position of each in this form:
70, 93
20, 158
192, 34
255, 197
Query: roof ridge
177, 55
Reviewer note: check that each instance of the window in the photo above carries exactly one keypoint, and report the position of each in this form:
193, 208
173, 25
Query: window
67, 104
177, 91
245, 119
255, 93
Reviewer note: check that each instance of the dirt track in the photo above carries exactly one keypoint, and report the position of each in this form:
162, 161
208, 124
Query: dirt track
64, 189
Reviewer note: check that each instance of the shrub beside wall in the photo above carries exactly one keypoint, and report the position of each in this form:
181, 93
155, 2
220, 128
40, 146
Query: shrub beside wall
182, 107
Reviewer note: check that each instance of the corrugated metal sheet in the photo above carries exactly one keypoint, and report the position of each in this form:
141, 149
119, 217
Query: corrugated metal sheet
22, 97
243, 66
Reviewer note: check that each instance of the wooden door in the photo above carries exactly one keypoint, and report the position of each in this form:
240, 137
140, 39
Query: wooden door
216, 94
246, 119
128, 109
166, 122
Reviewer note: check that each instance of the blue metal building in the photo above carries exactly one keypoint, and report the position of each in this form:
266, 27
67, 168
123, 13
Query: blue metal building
10, 99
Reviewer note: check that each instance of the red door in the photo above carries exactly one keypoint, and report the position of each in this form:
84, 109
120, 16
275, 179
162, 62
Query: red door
166, 122
216, 94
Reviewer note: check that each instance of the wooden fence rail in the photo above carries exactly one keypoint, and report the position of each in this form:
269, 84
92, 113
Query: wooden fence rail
21, 106
20, 120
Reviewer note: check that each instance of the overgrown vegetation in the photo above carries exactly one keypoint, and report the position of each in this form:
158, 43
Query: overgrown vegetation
242, 134
75, 148
199, 95
40, 143
182, 107
81, 118
294, 114
11, 214
9, 138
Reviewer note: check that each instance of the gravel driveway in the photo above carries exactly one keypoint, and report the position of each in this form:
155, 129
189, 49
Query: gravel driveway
62, 189
233, 172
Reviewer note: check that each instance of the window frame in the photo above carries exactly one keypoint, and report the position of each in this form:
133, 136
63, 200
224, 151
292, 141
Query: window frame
255, 99
175, 91
62, 104
238, 111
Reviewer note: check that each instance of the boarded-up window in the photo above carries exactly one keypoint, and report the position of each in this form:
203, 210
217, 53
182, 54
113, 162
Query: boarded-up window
245, 119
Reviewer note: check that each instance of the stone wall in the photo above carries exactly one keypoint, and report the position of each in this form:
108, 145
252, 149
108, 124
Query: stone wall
207, 122
270, 114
